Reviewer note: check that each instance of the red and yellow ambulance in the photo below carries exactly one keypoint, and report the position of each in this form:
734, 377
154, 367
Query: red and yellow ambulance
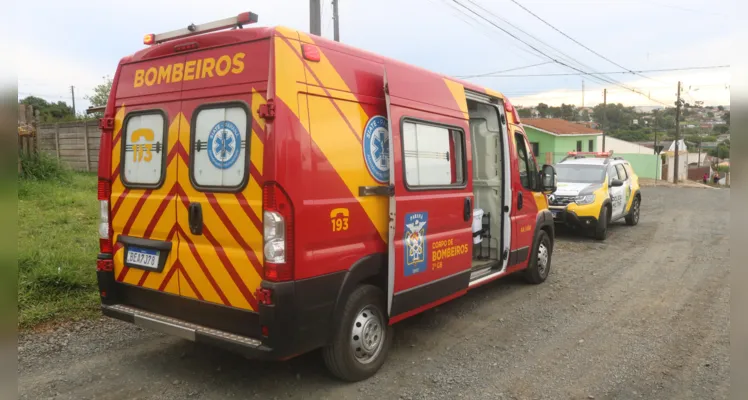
273, 192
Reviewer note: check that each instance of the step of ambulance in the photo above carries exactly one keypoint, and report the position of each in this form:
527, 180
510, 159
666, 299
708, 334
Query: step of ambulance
176, 327
482, 268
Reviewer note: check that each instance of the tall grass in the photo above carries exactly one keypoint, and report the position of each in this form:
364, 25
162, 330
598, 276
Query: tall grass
42, 167
57, 245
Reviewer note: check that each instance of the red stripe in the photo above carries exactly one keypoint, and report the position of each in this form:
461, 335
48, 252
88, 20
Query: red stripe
145, 275
204, 268
189, 282
259, 131
230, 268
119, 201
116, 137
248, 210
167, 278
135, 212
329, 95
115, 175
232, 229
164, 203
178, 149
400, 317
256, 175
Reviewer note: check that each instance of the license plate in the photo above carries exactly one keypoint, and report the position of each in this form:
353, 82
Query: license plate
146, 258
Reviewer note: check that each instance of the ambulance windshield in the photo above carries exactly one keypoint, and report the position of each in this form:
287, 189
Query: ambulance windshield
580, 173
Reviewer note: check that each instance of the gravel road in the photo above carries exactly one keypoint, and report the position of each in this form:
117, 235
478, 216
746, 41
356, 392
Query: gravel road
644, 314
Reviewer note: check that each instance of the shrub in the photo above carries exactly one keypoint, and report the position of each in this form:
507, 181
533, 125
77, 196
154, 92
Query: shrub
42, 167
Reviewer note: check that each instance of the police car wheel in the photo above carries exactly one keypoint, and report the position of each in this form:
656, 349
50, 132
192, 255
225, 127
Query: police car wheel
633, 217
362, 339
540, 259
601, 229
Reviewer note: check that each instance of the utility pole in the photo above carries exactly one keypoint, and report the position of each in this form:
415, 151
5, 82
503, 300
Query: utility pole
315, 18
72, 94
605, 114
335, 20
658, 164
582, 93
677, 136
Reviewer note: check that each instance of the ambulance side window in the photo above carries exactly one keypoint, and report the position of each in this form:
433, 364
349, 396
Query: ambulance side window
219, 160
143, 144
433, 155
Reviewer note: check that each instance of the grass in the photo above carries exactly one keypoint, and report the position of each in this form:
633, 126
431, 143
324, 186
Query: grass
57, 247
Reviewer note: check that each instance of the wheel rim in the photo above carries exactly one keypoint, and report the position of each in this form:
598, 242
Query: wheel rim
636, 210
542, 259
367, 335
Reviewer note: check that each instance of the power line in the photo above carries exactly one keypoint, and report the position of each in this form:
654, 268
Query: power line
616, 72
576, 41
596, 78
506, 70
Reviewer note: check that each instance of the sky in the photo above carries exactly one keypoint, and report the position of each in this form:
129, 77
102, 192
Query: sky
78, 43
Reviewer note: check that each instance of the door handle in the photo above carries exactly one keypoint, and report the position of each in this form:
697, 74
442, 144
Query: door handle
468, 210
196, 218
519, 200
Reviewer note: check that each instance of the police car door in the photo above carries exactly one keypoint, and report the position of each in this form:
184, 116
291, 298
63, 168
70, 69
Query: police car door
616, 192
431, 203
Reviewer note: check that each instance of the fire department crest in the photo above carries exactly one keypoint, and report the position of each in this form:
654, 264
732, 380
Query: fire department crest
415, 242
224, 145
376, 145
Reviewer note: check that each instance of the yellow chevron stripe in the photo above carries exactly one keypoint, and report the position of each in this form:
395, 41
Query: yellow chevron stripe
458, 92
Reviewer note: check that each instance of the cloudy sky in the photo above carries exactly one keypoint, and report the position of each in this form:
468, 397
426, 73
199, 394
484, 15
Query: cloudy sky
77, 43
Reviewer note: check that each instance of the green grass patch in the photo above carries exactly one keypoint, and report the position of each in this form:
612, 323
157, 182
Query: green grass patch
57, 247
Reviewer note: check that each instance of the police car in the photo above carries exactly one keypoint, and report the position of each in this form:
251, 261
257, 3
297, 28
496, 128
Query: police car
595, 189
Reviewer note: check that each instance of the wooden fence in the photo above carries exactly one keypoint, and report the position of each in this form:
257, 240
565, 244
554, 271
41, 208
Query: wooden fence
75, 144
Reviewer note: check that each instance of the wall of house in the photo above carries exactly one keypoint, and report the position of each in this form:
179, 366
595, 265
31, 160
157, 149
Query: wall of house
644, 165
565, 144
544, 140
621, 146
682, 168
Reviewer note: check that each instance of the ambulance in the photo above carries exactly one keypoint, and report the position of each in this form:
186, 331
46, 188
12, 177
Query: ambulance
272, 192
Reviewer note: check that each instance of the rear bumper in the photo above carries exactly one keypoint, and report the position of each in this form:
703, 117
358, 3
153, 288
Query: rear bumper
298, 320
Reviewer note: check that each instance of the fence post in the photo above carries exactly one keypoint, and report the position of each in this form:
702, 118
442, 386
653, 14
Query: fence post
85, 145
57, 140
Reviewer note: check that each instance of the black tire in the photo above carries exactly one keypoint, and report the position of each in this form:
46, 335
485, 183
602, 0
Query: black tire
601, 228
537, 270
633, 217
340, 357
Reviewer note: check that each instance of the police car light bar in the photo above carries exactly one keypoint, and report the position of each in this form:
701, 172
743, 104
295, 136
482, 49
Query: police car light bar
591, 153
192, 29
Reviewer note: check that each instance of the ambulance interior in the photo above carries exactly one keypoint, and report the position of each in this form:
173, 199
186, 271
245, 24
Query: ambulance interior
485, 135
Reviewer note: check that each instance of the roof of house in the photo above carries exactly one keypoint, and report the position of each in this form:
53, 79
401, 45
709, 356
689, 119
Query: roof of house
557, 126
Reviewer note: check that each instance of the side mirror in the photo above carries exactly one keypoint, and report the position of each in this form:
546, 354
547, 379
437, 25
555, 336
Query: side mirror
616, 182
548, 179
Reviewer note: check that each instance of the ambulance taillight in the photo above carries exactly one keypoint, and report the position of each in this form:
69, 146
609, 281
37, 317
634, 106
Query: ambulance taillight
277, 222
105, 235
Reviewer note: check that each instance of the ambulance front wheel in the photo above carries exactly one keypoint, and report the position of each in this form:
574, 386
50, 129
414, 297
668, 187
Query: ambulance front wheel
363, 338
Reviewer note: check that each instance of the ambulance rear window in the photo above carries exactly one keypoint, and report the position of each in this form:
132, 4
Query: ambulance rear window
219, 147
143, 153
434, 155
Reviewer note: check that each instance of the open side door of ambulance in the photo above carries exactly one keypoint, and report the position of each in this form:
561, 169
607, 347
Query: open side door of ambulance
431, 201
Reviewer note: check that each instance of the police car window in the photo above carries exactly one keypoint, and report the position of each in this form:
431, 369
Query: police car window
621, 172
143, 156
433, 155
219, 147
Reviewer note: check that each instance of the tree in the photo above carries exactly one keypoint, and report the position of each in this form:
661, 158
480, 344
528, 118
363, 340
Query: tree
720, 129
49, 111
710, 114
585, 116
543, 110
524, 112
100, 95
726, 117
721, 151
721, 108
568, 112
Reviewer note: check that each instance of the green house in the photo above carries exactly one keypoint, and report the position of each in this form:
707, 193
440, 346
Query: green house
552, 138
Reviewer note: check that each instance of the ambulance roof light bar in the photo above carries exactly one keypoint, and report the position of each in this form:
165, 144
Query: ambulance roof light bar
192, 29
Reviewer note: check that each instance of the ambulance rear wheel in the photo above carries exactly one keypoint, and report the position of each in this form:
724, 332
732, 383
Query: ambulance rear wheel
362, 340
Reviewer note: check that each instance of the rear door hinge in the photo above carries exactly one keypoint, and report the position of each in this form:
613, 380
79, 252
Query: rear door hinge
106, 123
267, 110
